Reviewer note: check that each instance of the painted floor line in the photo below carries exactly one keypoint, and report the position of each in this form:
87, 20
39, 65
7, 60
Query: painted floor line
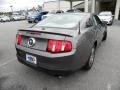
5, 63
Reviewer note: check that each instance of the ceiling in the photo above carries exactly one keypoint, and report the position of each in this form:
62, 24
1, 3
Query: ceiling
97, 0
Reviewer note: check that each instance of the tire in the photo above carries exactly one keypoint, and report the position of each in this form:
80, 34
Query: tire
36, 21
104, 36
1, 20
29, 21
91, 59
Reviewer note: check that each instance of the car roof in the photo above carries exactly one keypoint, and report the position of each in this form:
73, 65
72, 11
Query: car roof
76, 13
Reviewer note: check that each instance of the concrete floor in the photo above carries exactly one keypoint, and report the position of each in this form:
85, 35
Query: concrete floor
104, 75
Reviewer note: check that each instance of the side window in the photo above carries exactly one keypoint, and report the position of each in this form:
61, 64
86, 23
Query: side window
97, 20
93, 20
45, 13
89, 23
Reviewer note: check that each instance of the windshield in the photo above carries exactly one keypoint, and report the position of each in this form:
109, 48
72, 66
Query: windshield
105, 14
60, 21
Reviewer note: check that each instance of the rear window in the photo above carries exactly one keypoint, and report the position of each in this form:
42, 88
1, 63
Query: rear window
60, 21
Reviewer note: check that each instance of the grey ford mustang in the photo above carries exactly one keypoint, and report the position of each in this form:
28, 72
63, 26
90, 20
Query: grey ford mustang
64, 42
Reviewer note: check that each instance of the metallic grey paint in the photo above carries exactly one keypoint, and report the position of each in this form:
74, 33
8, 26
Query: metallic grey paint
82, 44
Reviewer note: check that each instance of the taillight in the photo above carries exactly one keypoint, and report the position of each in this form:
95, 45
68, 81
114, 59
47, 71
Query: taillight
18, 39
59, 46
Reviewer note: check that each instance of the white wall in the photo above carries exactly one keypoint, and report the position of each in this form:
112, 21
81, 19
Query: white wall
89, 6
52, 5
64, 5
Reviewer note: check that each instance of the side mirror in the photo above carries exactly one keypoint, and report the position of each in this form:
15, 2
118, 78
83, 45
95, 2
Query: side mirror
88, 24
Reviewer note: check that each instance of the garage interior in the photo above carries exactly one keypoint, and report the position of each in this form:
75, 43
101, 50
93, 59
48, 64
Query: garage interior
104, 5
108, 5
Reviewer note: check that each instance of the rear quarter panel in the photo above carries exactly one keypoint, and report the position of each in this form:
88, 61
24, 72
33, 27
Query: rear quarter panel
83, 44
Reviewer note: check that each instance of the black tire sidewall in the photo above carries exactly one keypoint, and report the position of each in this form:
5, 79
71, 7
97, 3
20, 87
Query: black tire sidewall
87, 65
105, 36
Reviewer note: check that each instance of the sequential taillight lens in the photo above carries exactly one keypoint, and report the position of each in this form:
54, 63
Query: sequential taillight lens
18, 39
59, 46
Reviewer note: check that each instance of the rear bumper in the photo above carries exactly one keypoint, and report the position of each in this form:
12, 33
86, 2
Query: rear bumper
62, 63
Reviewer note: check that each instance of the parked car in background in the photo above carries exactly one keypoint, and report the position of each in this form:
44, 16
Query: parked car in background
61, 43
15, 18
36, 17
106, 16
22, 17
52, 13
59, 11
4, 19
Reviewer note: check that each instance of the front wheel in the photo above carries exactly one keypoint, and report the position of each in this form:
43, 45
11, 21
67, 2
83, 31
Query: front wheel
29, 21
36, 21
91, 59
104, 36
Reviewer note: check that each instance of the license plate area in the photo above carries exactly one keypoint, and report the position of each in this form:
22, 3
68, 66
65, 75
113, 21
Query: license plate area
31, 59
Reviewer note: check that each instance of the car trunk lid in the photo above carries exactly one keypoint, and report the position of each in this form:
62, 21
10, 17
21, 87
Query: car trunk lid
42, 36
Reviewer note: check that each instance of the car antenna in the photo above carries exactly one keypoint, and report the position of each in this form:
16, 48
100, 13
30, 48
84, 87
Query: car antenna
79, 28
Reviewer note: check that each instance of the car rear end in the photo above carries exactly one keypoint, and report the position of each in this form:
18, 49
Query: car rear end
50, 51
22, 17
52, 44
7, 18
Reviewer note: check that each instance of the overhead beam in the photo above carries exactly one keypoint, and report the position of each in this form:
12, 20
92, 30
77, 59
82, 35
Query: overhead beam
93, 6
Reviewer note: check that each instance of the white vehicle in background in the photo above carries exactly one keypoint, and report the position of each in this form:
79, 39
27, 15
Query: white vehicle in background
16, 17
106, 16
4, 19
22, 17
47, 15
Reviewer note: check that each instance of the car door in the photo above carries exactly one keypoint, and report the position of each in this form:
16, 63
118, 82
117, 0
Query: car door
88, 36
91, 31
98, 28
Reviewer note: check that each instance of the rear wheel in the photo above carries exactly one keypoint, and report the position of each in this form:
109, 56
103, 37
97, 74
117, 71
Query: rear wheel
1, 20
90, 61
